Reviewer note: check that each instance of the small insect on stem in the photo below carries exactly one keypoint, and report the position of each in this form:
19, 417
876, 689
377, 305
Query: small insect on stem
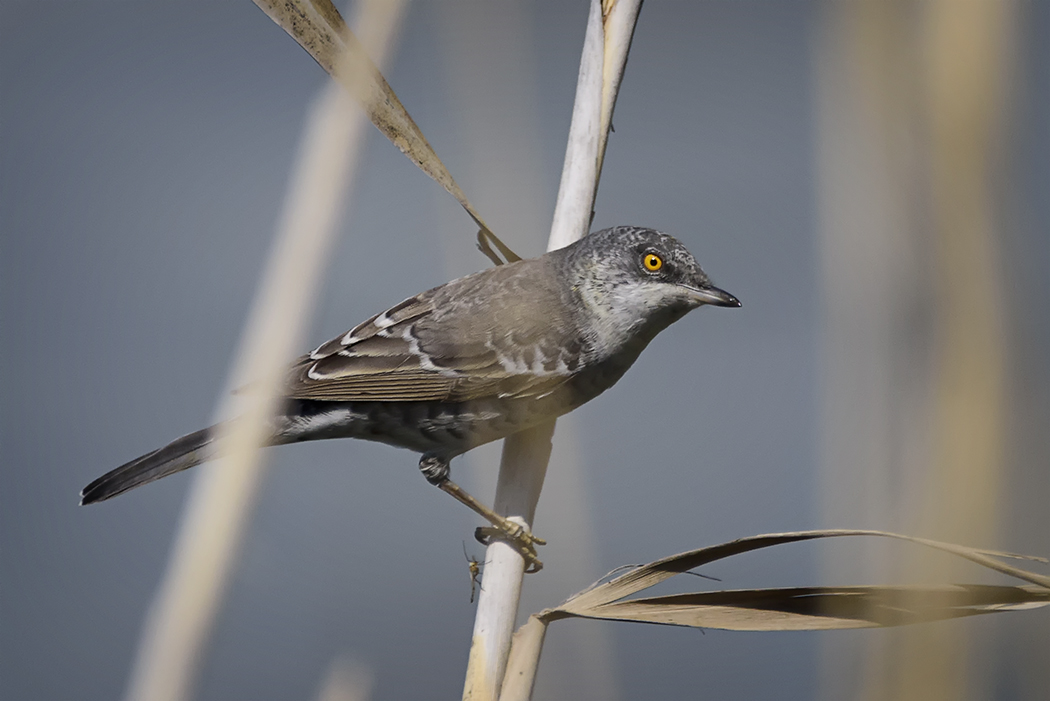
475, 573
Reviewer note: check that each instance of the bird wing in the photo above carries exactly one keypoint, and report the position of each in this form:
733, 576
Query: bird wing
427, 349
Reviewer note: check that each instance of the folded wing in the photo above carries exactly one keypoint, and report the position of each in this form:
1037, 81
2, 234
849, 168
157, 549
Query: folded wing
426, 349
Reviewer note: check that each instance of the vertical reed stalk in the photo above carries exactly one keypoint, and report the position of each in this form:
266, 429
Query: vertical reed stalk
526, 454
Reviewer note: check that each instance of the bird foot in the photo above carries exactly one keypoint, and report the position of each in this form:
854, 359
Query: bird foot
518, 537
435, 468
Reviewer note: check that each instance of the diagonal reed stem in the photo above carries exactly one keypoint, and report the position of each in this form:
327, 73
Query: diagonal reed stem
181, 616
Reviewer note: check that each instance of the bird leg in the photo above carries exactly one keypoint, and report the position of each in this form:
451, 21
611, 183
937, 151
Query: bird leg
436, 470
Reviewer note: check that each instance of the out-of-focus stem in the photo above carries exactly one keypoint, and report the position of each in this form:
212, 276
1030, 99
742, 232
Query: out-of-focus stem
181, 616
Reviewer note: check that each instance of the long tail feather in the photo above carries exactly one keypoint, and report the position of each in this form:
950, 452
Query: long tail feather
180, 454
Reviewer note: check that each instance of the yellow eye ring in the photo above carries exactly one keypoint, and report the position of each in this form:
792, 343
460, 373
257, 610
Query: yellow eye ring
652, 262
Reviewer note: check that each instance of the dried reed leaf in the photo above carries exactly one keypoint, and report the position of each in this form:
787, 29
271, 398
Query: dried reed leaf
822, 608
319, 28
806, 608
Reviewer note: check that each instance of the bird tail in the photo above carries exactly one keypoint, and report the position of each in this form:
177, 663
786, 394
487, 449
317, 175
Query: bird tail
181, 454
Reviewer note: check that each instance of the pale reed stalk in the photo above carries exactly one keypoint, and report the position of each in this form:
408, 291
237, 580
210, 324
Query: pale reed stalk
219, 505
526, 454
911, 110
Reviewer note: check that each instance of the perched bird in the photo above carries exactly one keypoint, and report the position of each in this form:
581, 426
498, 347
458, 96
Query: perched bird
475, 360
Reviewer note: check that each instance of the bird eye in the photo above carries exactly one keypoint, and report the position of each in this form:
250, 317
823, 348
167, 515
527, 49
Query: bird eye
652, 262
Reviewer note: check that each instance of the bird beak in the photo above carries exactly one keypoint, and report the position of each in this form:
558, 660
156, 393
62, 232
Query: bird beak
712, 295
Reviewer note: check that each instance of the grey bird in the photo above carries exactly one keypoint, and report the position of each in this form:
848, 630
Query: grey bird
475, 360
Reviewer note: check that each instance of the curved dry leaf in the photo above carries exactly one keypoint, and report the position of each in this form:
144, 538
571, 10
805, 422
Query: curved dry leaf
821, 608
811, 608
319, 28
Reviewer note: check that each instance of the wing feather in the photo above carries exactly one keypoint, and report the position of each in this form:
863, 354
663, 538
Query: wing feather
427, 350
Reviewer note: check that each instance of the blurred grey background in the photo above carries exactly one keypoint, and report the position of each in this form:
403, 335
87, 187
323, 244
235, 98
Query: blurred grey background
144, 154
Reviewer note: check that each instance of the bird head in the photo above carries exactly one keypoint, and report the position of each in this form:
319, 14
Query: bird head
635, 282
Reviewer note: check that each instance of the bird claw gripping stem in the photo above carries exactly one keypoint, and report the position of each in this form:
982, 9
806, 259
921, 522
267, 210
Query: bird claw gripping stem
516, 536
436, 469
502, 528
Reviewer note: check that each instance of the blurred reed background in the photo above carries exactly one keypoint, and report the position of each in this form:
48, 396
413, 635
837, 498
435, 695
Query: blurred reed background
931, 397
870, 178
